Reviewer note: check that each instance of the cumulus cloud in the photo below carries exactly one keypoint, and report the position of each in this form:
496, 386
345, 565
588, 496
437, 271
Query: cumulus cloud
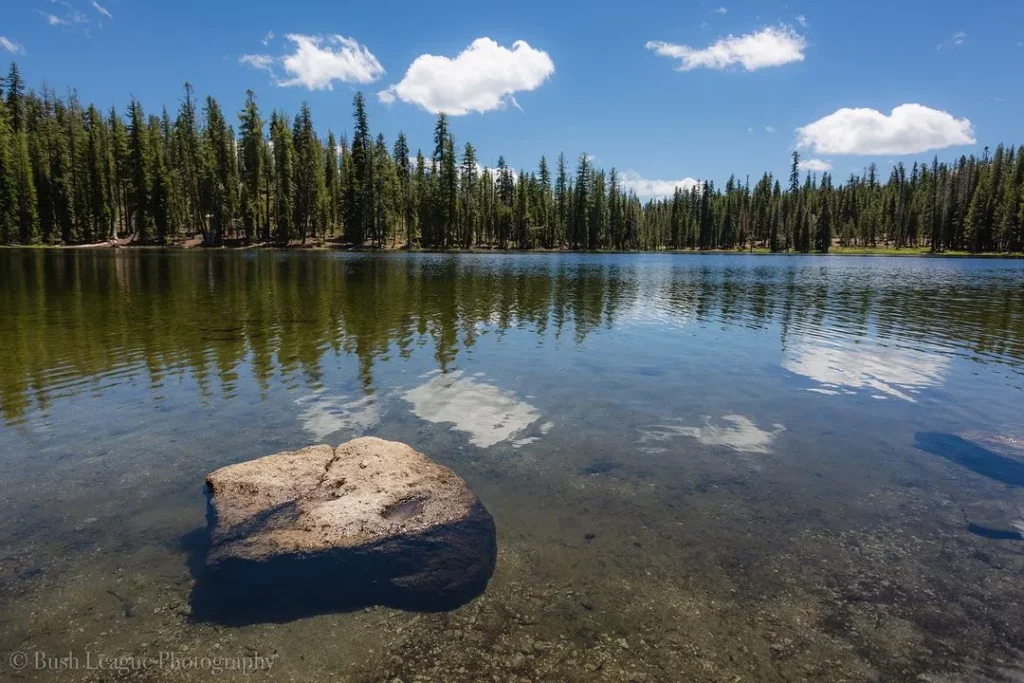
11, 46
771, 46
102, 10
269, 36
482, 78
721, 10
802, 20
909, 129
769, 129
648, 188
318, 61
815, 165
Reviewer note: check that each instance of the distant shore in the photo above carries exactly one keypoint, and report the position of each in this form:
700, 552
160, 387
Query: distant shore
333, 245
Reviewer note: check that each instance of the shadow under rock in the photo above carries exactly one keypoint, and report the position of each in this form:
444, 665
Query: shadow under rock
973, 456
389, 572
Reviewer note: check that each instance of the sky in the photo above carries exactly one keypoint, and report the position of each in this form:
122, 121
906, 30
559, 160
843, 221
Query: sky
666, 91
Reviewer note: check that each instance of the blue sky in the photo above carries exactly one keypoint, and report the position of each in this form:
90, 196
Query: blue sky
662, 90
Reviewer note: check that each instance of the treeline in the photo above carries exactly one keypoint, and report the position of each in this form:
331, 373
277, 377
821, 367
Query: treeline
71, 174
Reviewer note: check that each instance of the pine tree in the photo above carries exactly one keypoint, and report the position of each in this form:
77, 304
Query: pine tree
310, 194
544, 213
421, 198
332, 185
469, 197
97, 170
561, 201
284, 182
159, 207
581, 209
359, 200
251, 168
219, 173
138, 172
407, 212
8, 182
190, 162
824, 224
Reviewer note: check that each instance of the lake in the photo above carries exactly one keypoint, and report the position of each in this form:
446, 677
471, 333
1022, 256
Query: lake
701, 467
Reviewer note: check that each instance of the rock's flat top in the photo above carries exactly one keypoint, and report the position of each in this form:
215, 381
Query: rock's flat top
321, 498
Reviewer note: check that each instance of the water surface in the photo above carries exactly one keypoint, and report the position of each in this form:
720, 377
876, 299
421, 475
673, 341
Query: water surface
708, 468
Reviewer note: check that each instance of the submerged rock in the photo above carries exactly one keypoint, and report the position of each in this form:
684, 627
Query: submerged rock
997, 519
370, 522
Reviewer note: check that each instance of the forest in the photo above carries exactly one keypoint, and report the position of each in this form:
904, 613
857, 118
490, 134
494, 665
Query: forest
73, 174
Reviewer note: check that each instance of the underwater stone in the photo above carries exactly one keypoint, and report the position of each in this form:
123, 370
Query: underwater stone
371, 521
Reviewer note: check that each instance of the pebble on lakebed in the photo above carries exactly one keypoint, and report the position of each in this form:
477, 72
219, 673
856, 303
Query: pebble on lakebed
321, 529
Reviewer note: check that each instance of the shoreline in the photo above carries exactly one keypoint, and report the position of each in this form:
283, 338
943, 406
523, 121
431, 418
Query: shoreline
190, 245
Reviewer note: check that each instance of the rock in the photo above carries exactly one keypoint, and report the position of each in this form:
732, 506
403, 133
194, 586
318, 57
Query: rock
370, 522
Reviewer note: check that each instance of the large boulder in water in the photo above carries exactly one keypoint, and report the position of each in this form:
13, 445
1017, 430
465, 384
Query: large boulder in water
320, 529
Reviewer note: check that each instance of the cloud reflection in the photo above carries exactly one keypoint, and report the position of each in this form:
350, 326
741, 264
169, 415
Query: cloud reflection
488, 414
847, 367
738, 433
322, 414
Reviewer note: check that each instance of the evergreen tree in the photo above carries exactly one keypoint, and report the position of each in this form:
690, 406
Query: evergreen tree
138, 173
407, 204
251, 167
219, 173
359, 200
284, 183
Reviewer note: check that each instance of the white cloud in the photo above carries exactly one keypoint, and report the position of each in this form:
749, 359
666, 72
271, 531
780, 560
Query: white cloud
318, 61
53, 19
264, 62
769, 129
721, 10
909, 129
102, 10
70, 16
815, 165
11, 46
958, 39
771, 46
482, 78
802, 20
316, 65
645, 187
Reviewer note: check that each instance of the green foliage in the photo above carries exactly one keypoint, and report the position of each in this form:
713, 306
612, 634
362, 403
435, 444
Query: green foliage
71, 175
